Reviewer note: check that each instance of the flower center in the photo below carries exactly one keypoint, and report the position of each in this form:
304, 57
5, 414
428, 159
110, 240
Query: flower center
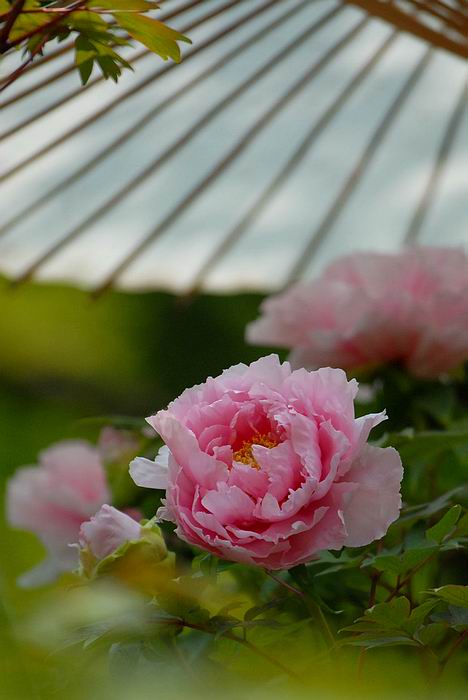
244, 454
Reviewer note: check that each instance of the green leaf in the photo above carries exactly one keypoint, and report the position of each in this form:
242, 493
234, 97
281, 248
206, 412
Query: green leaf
85, 69
427, 443
122, 5
88, 23
426, 510
154, 35
391, 615
342, 562
419, 614
445, 526
462, 526
400, 563
370, 642
84, 50
455, 595
123, 659
26, 23
431, 634
252, 613
454, 617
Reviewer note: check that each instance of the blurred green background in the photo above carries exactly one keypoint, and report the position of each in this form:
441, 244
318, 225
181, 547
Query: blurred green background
64, 357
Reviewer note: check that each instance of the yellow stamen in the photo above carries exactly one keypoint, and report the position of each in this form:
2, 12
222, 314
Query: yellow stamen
245, 455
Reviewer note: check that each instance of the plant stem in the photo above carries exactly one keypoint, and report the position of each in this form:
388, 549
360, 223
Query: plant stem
248, 645
457, 643
311, 605
401, 584
16, 74
285, 584
13, 14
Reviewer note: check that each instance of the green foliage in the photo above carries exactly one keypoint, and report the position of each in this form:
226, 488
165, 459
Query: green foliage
153, 34
455, 595
399, 604
97, 28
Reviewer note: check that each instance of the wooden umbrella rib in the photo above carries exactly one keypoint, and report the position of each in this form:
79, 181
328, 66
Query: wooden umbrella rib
160, 108
291, 164
40, 85
205, 119
230, 157
137, 57
455, 22
456, 11
408, 23
440, 162
319, 233
98, 114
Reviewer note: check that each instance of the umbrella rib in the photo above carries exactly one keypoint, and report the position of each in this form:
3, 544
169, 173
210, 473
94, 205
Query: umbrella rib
392, 13
292, 163
339, 203
61, 73
229, 158
136, 88
158, 109
458, 23
440, 162
266, 67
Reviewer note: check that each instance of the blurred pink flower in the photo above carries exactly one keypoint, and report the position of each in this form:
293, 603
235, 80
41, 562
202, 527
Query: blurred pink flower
106, 531
266, 466
372, 308
53, 498
117, 445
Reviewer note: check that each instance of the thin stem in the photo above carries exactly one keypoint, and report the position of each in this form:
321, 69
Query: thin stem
12, 16
248, 645
311, 605
375, 577
286, 585
401, 584
19, 71
457, 643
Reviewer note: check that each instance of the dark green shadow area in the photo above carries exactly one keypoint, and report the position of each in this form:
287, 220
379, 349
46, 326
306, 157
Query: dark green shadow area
64, 357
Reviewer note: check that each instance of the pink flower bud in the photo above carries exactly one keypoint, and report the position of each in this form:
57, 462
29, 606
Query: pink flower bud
106, 531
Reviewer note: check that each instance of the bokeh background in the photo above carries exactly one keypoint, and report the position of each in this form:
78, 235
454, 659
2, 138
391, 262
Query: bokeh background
376, 177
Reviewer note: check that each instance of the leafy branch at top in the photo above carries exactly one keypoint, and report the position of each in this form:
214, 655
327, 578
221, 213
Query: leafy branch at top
97, 26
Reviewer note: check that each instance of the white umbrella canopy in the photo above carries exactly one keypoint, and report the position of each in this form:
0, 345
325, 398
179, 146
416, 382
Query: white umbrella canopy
292, 132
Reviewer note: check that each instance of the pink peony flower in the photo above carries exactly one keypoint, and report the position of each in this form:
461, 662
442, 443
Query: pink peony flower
268, 467
53, 498
106, 531
371, 308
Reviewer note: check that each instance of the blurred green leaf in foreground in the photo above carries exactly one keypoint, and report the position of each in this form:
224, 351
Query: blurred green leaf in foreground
98, 28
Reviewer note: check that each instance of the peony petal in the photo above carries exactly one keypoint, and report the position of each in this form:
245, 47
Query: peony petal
376, 502
229, 504
149, 474
199, 466
107, 531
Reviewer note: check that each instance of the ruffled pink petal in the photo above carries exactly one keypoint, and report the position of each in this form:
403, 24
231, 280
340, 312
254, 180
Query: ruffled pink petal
376, 501
229, 504
199, 466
